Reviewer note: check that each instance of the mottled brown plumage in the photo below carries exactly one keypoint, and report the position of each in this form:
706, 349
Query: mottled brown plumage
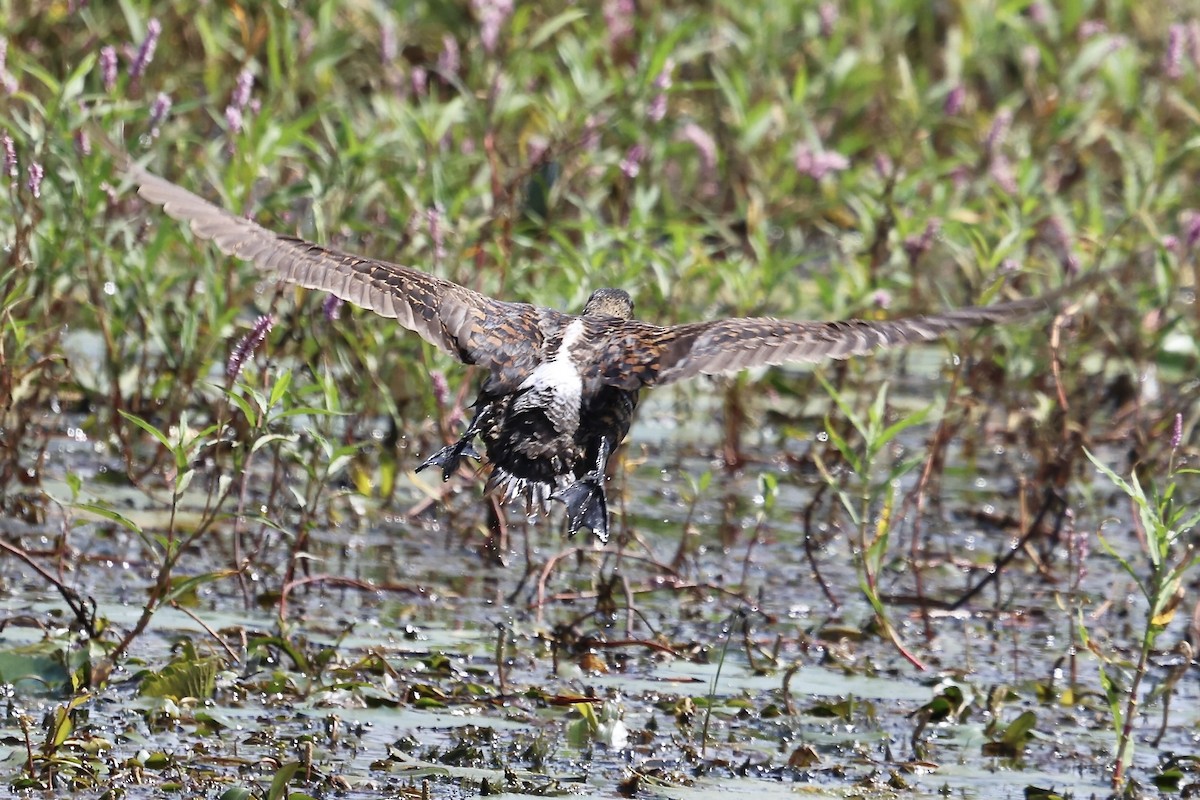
561, 388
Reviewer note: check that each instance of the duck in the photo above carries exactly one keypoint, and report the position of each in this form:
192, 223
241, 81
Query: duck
561, 388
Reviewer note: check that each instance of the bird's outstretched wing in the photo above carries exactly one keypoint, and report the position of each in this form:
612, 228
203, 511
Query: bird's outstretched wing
503, 337
643, 355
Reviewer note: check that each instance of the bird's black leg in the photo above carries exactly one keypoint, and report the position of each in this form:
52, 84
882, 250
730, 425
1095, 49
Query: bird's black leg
448, 457
587, 506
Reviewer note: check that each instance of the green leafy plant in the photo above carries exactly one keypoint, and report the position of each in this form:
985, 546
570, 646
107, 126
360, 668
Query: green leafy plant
1164, 524
871, 501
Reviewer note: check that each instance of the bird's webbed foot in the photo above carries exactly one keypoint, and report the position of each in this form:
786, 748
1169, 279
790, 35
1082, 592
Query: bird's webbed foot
450, 456
586, 505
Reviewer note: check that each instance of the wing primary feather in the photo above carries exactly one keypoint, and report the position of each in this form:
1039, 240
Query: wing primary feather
730, 345
414, 298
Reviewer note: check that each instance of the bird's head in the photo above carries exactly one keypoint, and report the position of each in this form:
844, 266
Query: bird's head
609, 303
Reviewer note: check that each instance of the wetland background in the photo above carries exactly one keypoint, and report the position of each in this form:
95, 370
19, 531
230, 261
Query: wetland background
960, 569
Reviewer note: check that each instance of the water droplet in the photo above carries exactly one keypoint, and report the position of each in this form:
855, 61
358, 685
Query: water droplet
823, 436
110, 288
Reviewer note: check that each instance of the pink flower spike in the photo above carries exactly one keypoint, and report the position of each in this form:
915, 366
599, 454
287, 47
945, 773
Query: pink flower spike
108, 67
145, 53
1173, 57
248, 344
34, 184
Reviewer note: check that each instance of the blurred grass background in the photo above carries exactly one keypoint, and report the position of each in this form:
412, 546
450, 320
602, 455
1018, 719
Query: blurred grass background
797, 159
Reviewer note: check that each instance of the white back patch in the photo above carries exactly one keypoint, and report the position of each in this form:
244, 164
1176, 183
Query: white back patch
556, 386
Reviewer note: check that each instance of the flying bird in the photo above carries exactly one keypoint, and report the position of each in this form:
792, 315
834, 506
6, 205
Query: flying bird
561, 388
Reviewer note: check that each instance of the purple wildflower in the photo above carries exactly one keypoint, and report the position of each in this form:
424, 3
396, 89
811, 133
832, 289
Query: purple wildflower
1001, 171
1173, 57
1091, 28
158, 113
34, 184
828, 13
248, 344
420, 81
440, 386
1189, 223
881, 298
706, 147
108, 67
83, 143
433, 216
884, 166
1177, 432
1081, 543
10, 160
704, 143
1000, 168
1010, 265
954, 101
662, 82
1170, 243
331, 307
145, 53
491, 14
657, 110
389, 48
631, 164
450, 59
618, 18
1038, 13
818, 163
999, 130
917, 246
241, 91
233, 119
